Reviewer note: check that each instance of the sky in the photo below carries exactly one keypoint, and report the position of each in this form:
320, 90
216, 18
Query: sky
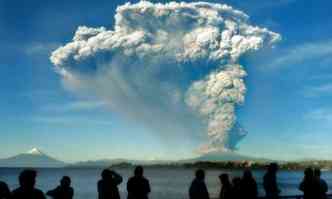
287, 110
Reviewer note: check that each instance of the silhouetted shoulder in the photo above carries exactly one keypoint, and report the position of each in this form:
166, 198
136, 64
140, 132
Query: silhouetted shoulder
4, 191
198, 190
39, 194
108, 185
34, 194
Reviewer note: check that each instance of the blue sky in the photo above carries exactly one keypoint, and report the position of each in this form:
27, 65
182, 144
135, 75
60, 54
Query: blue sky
288, 111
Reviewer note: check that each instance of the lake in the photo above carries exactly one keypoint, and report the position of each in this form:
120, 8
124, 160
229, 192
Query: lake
165, 183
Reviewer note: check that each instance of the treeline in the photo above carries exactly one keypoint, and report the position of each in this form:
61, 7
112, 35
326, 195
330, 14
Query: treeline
233, 165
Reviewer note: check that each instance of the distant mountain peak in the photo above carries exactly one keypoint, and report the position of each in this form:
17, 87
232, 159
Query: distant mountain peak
33, 158
35, 151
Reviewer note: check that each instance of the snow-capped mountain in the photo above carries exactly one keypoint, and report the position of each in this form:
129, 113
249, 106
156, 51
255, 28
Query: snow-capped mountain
31, 158
35, 151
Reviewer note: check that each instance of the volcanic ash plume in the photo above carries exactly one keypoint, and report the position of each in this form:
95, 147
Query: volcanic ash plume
173, 67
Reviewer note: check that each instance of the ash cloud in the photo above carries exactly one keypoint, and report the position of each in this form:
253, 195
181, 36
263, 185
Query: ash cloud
173, 67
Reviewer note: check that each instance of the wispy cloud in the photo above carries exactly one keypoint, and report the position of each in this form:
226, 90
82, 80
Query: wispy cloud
72, 120
323, 77
76, 106
320, 51
40, 48
320, 114
318, 91
259, 5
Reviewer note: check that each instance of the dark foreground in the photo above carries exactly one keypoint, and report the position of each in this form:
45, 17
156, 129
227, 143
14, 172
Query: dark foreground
166, 183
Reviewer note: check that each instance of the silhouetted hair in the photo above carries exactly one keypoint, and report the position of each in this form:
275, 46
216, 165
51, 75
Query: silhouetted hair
27, 178
224, 178
247, 174
308, 172
106, 173
273, 167
139, 171
65, 181
200, 174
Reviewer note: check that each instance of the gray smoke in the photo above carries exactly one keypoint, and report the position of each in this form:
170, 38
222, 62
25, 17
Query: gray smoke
173, 67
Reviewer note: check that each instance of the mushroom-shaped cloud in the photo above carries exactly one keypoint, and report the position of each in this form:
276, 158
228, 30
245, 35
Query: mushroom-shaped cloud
174, 67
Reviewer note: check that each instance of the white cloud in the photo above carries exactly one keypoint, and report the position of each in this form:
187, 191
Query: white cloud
173, 67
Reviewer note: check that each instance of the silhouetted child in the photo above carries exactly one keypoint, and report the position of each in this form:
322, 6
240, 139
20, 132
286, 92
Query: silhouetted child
323, 188
198, 189
4, 191
236, 188
63, 191
138, 186
108, 185
309, 185
270, 182
248, 186
27, 190
226, 189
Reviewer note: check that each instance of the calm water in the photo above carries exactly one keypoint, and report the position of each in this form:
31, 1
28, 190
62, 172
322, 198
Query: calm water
165, 183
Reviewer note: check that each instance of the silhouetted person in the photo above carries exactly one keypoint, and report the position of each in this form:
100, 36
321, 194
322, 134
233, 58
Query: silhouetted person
309, 185
198, 188
323, 188
236, 188
108, 185
138, 186
226, 189
4, 191
27, 190
63, 191
248, 186
270, 182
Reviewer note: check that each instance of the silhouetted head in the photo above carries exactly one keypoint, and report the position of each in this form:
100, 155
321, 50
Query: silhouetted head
106, 174
65, 181
200, 174
27, 179
4, 190
247, 174
317, 172
273, 168
224, 179
139, 171
308, 173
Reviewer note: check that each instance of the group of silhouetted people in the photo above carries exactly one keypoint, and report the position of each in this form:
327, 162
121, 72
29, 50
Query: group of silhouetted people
138, 187
239, 188
312, 186
246, 187
27, 190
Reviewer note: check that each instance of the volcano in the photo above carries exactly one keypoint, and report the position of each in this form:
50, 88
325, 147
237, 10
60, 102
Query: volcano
34, 158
